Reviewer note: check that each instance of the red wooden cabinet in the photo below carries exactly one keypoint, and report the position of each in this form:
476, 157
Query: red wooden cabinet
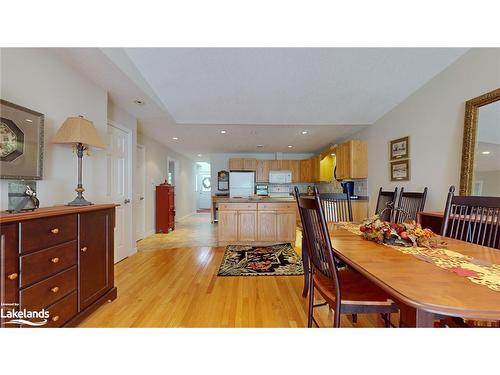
165, 208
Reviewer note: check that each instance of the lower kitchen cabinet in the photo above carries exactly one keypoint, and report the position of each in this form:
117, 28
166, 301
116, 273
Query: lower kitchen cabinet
261, 223
247, 225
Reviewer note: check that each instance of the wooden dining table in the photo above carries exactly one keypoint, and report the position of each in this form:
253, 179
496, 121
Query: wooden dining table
423, 291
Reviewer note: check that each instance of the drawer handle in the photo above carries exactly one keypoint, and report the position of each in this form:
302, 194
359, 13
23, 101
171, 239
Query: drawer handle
12, 276
55, 230
54, 289
84, 249
55, 260
55, 318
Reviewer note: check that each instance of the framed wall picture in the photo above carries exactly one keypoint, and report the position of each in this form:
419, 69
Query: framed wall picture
400, 148
21, 142
400, 170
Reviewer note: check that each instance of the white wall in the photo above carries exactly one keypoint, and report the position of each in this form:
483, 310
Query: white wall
156, 172
433, 117
37, 79
220, 162
491, 182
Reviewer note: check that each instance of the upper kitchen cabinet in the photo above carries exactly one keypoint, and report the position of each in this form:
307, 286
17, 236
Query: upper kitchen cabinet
295, 168
316, 168
243, 164
275, 165
262, 170
352, 160
306, 173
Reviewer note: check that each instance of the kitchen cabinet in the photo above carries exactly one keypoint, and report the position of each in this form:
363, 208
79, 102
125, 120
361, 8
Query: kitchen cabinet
352, 160
306, 170
359, 210
275, 165
235, 164
286, 226
285, 165
243, 164
257, 223
316, 168
247, 225
267, 226
228, 225
295, 168
262, 172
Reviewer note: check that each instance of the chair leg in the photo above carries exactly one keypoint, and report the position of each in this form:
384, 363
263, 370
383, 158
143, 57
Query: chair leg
387, 320
305, 265
311, 302
354, 318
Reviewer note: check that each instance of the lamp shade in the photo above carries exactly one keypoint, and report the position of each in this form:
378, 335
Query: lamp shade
78, 130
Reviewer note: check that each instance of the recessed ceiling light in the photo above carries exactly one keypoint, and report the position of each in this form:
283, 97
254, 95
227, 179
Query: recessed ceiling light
260, 146
304, 132
485, 152
289, 146
28, 120
139, 102
223, 132
175, 138
199, 155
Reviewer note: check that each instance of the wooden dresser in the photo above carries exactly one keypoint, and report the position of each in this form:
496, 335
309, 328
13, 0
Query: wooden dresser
60, 259
165, 208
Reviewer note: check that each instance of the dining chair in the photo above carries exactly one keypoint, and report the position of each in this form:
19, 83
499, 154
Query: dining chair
473, 219
345, 291
336, 206
385, 204
409, 203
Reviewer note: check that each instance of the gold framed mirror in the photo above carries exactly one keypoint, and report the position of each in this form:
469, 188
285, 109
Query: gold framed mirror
478, 134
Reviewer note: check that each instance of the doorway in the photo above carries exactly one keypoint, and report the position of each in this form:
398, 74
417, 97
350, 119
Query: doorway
203, 186
119, 186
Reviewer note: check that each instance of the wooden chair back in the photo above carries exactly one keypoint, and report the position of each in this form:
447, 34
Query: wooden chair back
336, 206
385, 204
319, 245
409, 203
473, 219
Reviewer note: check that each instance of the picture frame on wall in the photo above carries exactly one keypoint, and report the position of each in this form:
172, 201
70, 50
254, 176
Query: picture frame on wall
21, 142
400, 170
400, 148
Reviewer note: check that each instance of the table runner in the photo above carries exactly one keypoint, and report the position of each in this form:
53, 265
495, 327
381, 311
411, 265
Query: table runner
477, 271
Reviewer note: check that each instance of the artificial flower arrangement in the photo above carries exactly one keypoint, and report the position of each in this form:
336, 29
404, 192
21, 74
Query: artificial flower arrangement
404, 234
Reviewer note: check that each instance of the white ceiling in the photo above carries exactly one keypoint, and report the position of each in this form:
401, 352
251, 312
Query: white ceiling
260, 96
286, 85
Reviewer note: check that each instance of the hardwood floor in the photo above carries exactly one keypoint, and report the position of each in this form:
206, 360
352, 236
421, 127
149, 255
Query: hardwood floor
180, 288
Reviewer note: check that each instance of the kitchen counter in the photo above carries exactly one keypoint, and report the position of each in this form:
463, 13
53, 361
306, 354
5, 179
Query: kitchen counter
216, 199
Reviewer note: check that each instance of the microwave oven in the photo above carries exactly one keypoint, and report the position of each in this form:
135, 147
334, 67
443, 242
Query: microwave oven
280, 177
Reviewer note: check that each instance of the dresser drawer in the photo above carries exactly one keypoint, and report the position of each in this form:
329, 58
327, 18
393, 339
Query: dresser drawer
45, 263
47, 232
62, 311
48, 291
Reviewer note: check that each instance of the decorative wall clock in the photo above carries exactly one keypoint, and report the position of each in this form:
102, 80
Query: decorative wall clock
21, 142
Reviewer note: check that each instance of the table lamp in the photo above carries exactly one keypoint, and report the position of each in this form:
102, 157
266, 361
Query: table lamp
81, 133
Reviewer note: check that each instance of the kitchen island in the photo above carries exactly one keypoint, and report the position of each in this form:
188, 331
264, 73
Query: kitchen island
262, 221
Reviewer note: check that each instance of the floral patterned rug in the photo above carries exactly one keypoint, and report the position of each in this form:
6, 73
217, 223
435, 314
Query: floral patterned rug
273, 260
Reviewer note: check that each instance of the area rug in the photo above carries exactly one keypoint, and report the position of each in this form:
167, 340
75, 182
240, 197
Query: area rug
276, 260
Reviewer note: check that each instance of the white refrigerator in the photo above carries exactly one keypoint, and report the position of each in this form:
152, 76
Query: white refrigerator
241, 184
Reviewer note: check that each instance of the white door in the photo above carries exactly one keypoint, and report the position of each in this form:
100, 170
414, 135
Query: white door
140, 191
204, 191
119, 186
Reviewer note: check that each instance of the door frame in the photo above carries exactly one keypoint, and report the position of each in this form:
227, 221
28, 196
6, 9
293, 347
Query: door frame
130, 183
142, 181
176, 179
